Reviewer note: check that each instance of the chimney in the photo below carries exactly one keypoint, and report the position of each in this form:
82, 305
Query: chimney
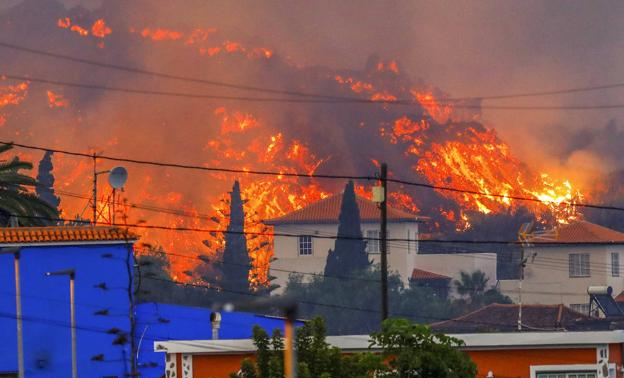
215, 321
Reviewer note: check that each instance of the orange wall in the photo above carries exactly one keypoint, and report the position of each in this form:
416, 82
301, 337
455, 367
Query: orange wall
516, 363
513, 363
217, 366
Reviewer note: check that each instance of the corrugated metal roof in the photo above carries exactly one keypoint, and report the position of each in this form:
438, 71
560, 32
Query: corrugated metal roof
63, 234
328, 210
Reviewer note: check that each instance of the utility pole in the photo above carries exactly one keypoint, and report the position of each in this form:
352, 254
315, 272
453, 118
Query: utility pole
15, 251
384, 242
95, 174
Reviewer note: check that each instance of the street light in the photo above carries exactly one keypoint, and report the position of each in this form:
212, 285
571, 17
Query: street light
72, 313
15, 251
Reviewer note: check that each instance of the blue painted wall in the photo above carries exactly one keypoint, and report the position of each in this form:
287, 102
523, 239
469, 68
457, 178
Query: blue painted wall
170, 322
45, 303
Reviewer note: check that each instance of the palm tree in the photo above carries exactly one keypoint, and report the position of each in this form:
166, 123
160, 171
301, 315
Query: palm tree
17, 201
471, 284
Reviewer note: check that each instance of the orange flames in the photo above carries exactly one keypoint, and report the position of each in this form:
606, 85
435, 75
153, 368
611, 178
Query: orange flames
11, 95
56, 100
203, 39
98, 29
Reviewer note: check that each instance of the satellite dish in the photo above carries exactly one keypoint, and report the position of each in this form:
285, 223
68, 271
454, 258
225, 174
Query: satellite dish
117, 177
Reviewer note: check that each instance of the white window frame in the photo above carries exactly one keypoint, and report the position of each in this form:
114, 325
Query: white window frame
371, 244
615, 264
581, 368
579, 271
302, 241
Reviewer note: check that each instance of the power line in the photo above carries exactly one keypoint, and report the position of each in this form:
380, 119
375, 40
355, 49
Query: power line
551, 266
365, 238
311, 175
300, 100
286, 92
219, 231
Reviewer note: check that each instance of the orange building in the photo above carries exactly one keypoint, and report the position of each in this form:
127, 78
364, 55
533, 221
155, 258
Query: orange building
549, 354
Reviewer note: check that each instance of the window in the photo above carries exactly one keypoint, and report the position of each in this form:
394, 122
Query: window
305, 245
372, 241
567, 375
579, 265
583, 308
615, 264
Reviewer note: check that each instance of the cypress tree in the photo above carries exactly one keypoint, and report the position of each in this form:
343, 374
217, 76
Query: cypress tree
349, 254
45, 179
236, 261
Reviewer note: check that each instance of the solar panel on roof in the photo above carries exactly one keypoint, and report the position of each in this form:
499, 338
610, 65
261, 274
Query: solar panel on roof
606, 304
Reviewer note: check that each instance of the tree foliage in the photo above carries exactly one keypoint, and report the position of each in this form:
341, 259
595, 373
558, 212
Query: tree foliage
474, 289
410, 350
153, 282
352, 306
315, 357
45, 189
349, 253
236, 262
414, 351
17, 200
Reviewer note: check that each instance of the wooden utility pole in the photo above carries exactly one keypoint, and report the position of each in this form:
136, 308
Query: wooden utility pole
384, 242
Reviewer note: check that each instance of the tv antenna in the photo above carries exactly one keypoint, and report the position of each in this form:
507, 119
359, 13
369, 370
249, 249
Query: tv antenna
117, 178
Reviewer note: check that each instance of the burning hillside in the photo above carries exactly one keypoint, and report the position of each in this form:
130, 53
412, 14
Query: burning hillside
430, 140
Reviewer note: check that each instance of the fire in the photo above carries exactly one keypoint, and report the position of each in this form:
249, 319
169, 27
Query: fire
204, 40
160, 34
56, 100
430, 142
98, 29
11, 95
440, 113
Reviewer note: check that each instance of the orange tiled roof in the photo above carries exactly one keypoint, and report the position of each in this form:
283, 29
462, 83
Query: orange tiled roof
581, 232
327, 211
418, 274
63, 234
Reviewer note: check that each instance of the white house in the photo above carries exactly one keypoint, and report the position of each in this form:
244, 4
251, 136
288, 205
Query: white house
571, 258
307, 253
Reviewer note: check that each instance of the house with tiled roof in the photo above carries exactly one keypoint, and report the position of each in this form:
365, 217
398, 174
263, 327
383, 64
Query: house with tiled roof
439, 283
498, 317
317, 223
562, 263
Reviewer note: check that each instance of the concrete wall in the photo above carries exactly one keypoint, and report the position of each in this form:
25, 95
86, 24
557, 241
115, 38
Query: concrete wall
547, 279
401, 255
452, 264
45, 304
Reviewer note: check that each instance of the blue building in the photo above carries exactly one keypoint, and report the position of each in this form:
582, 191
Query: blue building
160, 322
103, 261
